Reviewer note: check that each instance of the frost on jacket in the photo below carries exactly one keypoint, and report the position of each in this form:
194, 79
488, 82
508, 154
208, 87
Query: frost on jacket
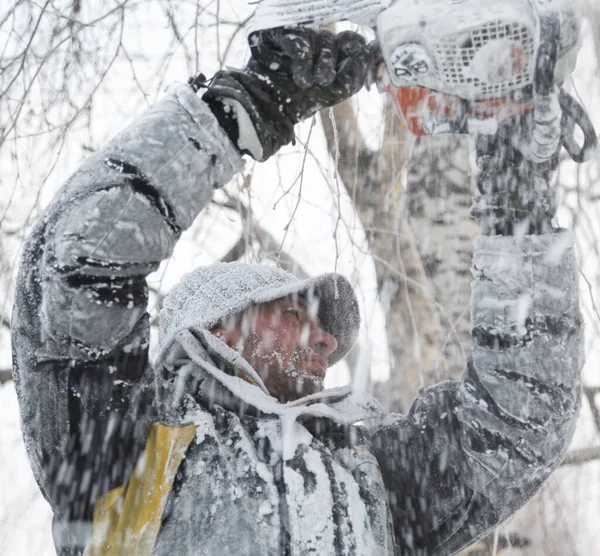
467, 455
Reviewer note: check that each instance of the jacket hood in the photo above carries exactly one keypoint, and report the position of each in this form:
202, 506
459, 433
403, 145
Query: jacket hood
207, 295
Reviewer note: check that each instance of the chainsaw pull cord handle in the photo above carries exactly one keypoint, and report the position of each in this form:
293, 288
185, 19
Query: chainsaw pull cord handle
574, 114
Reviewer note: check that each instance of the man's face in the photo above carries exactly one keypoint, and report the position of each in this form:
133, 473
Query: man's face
284, 343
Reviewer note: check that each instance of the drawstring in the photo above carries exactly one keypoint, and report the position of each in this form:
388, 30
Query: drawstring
198, 82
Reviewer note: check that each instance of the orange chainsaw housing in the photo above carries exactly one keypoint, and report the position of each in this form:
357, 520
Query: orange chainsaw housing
416, 106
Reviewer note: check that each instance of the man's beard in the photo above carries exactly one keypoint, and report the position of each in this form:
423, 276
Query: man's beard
289, 381
301, 377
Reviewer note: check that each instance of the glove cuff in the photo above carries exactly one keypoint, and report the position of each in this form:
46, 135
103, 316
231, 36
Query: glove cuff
236, 122
236, 99
505, 214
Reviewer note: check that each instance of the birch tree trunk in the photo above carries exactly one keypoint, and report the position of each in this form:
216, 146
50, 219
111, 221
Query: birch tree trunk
439, 196
421, 235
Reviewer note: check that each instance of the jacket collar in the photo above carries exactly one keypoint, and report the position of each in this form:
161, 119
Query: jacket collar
200, 364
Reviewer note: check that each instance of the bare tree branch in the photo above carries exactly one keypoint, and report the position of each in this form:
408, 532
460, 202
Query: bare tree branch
5, 375
270, 247
590, 393
4, 321
583, 455
236, 252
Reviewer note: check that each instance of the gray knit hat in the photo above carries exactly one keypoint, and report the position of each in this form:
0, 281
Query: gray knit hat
207, 295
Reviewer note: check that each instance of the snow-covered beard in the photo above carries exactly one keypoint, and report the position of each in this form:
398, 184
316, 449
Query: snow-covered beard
283, 375
301, 376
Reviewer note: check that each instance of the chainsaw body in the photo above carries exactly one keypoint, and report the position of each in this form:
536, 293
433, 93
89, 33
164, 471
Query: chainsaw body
474, 49
492, 69
451, 63
449, 66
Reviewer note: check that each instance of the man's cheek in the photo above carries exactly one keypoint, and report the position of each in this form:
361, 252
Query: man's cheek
269, 341
291, 337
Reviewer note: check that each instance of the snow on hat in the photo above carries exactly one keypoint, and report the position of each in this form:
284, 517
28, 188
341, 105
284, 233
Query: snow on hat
207, 295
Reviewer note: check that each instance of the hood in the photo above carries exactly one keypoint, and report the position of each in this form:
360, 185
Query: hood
207, 295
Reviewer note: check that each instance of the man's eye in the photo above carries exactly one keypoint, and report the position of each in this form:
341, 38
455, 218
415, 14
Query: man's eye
294, 312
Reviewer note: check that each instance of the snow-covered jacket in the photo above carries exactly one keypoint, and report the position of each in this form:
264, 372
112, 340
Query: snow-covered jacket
194, 458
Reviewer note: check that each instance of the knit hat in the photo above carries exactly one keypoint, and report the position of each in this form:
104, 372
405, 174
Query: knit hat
207, 295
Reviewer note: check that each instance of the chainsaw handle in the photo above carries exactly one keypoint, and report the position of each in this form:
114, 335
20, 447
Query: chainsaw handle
284, 13
574, 114
545, 63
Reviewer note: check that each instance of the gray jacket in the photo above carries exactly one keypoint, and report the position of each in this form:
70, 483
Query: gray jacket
262, 478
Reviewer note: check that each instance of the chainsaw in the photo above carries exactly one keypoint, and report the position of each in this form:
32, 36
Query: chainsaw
493, 70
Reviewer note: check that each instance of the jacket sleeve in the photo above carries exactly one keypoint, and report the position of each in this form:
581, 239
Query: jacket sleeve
471, 452
80, 327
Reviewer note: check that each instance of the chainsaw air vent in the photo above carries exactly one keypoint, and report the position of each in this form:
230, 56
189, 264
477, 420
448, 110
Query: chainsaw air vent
460, 65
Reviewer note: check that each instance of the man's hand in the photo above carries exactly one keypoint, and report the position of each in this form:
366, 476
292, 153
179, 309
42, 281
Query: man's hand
293, 73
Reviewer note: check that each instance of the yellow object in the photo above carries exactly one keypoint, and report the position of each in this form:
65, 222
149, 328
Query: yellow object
127, 519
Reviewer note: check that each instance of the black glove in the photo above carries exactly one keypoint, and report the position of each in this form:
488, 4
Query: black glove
293, 73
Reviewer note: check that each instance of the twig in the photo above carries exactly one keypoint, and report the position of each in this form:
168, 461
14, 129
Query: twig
287, 226
268, 243
583, 455
590, 392
336, 178
5, 375
236, 252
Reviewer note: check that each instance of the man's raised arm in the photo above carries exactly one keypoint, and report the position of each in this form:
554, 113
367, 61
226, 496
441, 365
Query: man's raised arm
80, 327
470, 453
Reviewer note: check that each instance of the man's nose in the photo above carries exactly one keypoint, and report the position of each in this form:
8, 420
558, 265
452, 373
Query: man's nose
322, 342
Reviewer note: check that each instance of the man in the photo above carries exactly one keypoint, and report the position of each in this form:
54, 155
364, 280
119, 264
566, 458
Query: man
228, 444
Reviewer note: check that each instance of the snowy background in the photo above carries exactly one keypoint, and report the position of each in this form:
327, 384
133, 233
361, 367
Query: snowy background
73, 73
